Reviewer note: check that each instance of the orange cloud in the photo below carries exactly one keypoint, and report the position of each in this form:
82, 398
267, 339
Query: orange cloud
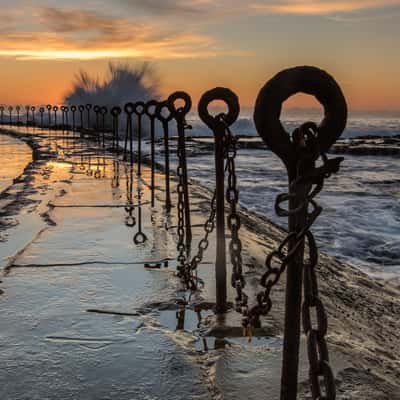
308, 7
85, 35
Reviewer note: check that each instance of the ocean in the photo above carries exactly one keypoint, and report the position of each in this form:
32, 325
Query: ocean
360, 222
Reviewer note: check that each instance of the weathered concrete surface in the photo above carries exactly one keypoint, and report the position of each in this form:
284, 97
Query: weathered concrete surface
82, 318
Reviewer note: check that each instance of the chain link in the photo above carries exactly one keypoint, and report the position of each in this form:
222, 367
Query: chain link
313, 178
233, 221
187, 269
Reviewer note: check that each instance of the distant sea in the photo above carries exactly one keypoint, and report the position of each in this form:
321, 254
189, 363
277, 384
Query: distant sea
359, 123
360, 223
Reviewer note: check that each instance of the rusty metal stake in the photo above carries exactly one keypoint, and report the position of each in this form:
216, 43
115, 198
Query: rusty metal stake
165, 124
150, 109
139, 111
218, 125
180, 114
294, 152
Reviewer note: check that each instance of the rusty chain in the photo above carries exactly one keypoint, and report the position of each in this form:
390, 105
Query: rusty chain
233, 221
316, 343
187, 270
181, 247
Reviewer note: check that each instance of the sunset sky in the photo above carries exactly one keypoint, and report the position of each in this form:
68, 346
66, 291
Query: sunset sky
198, 44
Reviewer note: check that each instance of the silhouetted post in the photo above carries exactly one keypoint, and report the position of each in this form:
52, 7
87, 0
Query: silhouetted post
299, 158
10, 109
49, 113
103, 112
218, 124
88, 108
115, 112
18, 108
96, 110
139, 111
150, 110
73, 110
81, 109
180, 113
41, 111
129, 110
55, 109
165, 119
66, 110
33, 109
27, 108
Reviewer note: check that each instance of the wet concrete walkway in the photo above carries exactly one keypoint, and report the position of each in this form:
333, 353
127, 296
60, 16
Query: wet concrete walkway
81, 318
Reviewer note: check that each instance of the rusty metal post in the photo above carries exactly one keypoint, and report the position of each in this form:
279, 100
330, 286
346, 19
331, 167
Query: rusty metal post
55, 109
115, 112
129, 109
180, 114
293, 152
165, 119
139, 111
49, 114
41, 110
88, 108
103, 112
73, 110
18, 108
66, 111
150, 110
81, 109
27, 108
218, 124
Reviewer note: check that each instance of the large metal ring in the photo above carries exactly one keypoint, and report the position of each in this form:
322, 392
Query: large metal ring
148, 105
115, 111
55, 108
179, 96
103, 110
96, 109
41, 110
73, 108
49, 107
309, 80
33, 108
139, 108
129, 108
225, 95
88, 107
160, 106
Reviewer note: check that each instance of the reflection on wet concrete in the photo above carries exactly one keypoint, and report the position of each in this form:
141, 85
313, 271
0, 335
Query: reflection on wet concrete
83, 318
